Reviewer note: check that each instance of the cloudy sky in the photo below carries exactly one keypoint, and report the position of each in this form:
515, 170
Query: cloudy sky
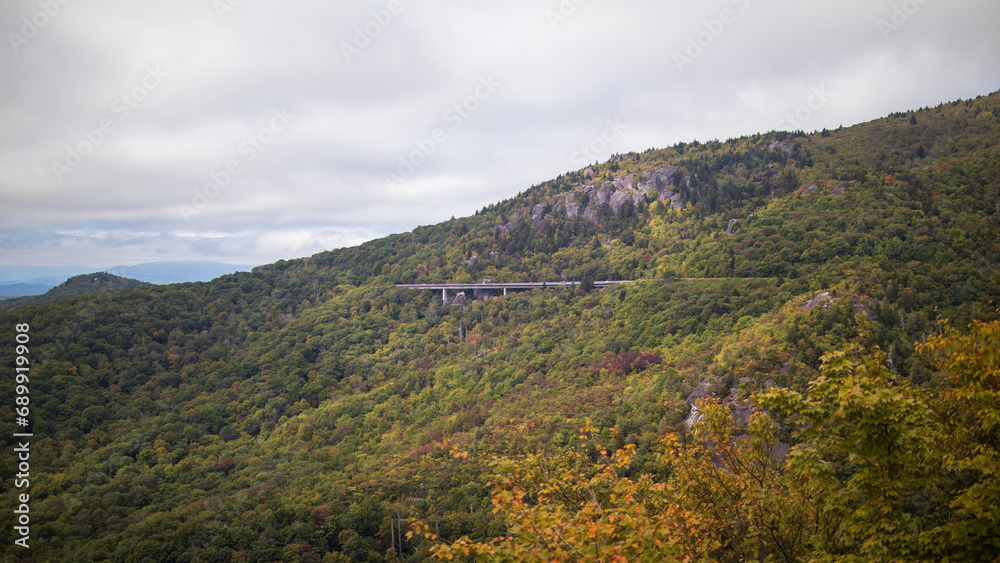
246, 131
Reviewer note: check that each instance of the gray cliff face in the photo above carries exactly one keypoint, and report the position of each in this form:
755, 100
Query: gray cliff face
624, 183
601, 196
787, 147
659, 179
571, 205
618, 199
587, 200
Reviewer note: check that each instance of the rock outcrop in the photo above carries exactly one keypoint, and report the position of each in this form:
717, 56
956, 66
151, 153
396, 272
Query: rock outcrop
660, 178
703, 390
823, 298
787, 147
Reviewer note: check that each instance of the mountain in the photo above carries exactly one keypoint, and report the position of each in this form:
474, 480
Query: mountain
177, 271
77, 285
22, 283
306, 410
23, 289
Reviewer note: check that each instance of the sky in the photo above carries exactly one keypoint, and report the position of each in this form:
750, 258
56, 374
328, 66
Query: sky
248, 131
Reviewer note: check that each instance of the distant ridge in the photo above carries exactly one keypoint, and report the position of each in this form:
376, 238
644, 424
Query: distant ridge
77, 285
27, 281
23, 289
161, 273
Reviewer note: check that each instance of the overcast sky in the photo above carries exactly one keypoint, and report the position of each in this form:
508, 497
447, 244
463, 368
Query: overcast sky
246, 131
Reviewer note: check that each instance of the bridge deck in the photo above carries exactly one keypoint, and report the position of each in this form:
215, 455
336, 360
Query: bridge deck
518, 285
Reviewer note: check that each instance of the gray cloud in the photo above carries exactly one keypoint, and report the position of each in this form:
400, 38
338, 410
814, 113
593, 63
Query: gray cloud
183, 92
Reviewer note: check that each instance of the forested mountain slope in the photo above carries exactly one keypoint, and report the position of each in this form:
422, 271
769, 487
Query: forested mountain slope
307, 409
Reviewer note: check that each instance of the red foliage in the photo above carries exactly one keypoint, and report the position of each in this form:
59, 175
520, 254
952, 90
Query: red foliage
224, 465
321, 513
627, 362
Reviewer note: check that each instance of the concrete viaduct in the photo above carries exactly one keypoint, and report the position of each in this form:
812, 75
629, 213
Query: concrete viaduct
493, 286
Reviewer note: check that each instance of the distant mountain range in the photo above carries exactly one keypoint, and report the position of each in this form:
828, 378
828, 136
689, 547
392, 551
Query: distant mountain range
36, 280
161, 273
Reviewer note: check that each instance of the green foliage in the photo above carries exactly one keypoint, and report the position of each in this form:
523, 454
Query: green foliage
307, 409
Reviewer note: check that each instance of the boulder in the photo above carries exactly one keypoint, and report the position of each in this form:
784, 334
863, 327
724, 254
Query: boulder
742, 410
862, 307
675, 202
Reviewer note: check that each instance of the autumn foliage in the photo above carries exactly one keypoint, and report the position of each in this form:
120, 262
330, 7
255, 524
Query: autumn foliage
880, 471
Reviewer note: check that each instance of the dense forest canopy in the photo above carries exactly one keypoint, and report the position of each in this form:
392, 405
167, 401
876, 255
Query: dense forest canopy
311, 410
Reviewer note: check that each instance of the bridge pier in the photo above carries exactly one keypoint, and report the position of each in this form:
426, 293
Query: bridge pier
444, 295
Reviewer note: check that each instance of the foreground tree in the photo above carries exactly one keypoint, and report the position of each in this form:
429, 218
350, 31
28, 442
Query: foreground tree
968, 412
907, 474
881, 471
727, 501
